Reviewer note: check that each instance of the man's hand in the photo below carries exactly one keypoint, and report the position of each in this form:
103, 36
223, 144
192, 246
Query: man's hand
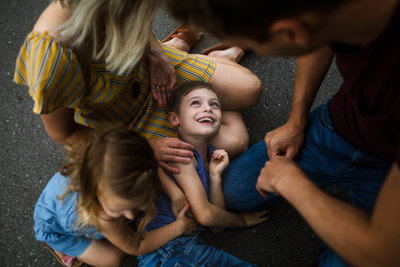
284, 141
168, 149
279, 170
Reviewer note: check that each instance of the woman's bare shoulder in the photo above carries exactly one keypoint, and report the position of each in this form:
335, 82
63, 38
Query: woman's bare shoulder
51, 19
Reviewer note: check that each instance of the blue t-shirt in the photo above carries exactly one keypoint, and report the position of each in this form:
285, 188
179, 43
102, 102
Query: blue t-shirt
55, 220
164, 213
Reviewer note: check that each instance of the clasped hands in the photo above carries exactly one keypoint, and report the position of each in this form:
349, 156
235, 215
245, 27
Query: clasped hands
283, 144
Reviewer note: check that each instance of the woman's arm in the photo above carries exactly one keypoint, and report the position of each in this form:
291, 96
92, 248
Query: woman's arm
162, 74
62, 128
119, 232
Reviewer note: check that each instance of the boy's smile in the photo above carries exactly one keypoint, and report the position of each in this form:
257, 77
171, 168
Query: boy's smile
199, 114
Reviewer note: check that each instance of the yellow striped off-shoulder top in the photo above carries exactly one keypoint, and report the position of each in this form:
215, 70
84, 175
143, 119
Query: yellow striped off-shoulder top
101, 98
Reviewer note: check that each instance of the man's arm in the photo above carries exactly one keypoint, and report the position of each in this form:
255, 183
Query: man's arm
360, 238
310, 72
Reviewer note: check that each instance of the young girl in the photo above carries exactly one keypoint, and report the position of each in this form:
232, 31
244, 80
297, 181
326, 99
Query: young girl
195, 111
85, 209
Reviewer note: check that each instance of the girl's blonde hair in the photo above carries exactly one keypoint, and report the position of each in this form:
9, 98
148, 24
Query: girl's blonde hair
123, 161
117, 30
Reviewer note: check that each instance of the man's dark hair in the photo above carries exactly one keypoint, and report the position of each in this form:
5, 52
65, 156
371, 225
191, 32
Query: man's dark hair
243, 18
175, 99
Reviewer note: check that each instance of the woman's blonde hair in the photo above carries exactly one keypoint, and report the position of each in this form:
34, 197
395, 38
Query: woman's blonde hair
118, 30
123, 161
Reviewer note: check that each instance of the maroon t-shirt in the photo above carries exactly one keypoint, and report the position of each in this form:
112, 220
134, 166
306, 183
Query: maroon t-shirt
366, 109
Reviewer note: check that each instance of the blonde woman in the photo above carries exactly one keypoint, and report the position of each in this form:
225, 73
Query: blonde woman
93, 64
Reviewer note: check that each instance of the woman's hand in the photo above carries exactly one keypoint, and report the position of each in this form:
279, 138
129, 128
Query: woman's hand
218, 163
168, 149
162, 74
190, 225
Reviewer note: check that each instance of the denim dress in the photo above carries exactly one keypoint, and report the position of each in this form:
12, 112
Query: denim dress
55, 220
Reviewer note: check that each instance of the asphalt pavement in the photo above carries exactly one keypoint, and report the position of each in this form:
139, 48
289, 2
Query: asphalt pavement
29, 158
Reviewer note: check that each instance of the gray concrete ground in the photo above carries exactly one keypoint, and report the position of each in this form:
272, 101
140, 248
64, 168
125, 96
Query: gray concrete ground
28, 158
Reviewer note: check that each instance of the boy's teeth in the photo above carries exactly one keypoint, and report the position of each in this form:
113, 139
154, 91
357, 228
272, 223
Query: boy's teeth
205, 120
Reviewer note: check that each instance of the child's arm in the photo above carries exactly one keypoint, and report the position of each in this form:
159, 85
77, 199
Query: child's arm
206, 213
178, 198
218, 163
119, 232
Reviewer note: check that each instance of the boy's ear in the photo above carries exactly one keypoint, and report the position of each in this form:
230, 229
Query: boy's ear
173, 118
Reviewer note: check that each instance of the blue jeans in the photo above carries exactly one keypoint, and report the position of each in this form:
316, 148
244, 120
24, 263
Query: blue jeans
326, 158
189, 251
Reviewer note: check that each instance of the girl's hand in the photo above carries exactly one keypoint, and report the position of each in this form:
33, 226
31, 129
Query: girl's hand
178, 203
190, 225
254, 218
162, 76
168, 149
219, 161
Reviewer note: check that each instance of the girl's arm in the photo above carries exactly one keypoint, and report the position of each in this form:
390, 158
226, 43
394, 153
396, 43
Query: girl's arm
206, 213
119, 233
178, 198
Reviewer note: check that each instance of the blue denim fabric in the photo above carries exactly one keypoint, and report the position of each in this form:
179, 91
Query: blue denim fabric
55, 220
189, 251
327, 159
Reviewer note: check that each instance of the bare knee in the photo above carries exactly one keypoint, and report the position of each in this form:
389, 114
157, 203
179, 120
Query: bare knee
254, 90
234, 140
239, 144
102, 253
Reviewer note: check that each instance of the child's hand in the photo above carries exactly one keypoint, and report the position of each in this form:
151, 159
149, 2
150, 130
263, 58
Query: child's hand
254, 218
190, 225
178, 202
219, 161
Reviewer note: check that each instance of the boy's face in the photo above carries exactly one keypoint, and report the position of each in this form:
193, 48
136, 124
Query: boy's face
199, 114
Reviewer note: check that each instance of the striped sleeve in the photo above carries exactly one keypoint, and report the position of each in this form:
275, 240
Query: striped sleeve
52, 72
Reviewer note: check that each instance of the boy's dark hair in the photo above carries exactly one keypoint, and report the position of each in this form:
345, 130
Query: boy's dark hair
243, 18
175, 99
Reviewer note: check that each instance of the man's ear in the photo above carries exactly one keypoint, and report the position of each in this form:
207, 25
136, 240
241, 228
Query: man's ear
290, 31
173, 118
